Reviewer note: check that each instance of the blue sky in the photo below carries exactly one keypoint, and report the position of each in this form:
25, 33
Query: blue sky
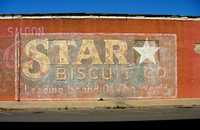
154, 7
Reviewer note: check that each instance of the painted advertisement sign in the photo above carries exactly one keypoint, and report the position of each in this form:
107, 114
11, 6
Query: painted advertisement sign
91, 58
98, 65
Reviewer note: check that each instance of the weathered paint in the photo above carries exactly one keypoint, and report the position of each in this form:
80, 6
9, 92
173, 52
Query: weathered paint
68, 59
98, 65
7, 68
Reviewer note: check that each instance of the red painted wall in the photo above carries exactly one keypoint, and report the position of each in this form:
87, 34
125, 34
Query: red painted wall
188, 33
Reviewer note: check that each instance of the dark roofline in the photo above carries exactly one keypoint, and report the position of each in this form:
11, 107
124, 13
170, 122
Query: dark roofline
96, 14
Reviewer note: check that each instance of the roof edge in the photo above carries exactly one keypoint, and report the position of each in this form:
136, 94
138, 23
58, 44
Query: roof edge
97, 15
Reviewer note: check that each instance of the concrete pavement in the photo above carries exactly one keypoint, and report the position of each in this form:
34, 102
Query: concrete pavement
102, 115
98, 111
118, 103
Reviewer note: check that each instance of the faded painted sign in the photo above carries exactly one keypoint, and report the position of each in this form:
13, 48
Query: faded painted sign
87, 58
98, 65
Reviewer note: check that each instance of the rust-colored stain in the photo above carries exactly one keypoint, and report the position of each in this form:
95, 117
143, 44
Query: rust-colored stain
70, 59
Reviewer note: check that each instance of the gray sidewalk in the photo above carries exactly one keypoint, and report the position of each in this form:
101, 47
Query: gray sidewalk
98, 111
103, 115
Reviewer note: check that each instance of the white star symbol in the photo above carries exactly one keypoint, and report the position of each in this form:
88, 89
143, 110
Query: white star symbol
147, 52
